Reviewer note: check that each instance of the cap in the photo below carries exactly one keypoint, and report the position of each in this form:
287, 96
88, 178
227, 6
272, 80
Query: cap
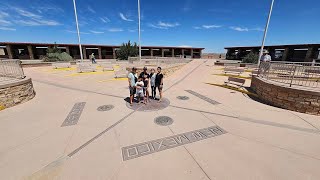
134, 68
145, 68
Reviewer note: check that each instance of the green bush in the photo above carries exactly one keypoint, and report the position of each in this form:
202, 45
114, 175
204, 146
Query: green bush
127, 50
54, 54
53, 57
251, 58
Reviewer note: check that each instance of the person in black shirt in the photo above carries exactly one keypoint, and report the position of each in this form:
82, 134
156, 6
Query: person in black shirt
159, 82
145, 77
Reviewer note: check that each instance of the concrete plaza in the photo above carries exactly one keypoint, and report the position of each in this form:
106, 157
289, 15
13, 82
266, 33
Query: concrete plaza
256, 141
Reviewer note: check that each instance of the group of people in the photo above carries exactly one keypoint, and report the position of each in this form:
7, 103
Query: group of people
139, 85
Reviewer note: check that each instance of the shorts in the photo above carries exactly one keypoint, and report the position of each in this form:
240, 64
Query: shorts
132, 91
159, 87
140, 94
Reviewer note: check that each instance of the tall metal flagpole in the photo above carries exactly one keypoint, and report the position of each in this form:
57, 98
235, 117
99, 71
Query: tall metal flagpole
139, 30
75, 13
265, 32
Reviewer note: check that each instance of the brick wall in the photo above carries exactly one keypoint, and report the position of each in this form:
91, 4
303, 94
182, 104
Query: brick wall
16, 93
295, 99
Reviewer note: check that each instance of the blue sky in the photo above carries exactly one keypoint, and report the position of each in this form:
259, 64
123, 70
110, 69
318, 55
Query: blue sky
212, 24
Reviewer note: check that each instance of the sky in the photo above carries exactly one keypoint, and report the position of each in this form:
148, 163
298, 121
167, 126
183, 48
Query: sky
211, 24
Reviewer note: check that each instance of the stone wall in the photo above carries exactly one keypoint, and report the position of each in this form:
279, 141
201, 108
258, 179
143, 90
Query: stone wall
291, 98
16, 92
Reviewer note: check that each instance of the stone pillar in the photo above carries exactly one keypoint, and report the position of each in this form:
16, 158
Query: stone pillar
30, 50
114, 53
151, 52
172, 52
200, 53
162, 52
191, 53
310, 54
84, 52
287, 54
99, 53
9, 51
68, 50
182, 52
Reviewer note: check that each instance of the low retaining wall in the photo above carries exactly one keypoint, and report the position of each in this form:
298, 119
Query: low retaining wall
291, 98
16, 92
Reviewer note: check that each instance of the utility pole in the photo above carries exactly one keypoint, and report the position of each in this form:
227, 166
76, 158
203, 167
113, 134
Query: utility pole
78, 31
265, 32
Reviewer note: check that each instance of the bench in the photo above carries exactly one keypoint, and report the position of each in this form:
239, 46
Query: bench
61, 65
106, 66
254, 73
121, 73
235, 81
229, 70
86, 67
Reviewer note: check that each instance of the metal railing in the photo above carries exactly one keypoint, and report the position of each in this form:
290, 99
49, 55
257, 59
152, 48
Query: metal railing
291, 73
11, 69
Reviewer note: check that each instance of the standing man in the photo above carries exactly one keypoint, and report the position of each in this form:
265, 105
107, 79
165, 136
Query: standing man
132, 79
145, 78
265, 56
159, 82
93, 59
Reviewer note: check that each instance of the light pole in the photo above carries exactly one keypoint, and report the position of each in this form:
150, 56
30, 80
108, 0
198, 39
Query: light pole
139, 30
75, 14
265, 32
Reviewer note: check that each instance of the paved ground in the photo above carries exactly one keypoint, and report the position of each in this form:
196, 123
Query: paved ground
237, 138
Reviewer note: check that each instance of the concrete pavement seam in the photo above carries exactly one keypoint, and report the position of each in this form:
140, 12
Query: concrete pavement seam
192, 157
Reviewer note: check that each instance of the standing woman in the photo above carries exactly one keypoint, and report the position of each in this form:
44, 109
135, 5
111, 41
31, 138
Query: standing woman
159, 82
153, 83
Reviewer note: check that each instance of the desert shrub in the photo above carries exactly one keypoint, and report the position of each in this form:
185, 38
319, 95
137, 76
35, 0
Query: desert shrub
127, 50
251, 58
54, 54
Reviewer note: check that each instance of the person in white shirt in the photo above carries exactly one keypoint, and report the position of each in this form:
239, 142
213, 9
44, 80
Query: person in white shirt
139, 90
153, 83
265, 57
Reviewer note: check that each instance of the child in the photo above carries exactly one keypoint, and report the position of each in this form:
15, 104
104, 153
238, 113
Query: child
139, 89
153, 83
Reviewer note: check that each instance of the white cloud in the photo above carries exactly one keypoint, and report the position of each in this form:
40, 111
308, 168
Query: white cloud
91, 10
115, 30
4, 22
132, 30
28, 18
37, 22
239, 29
197, 27
257, 29
96, 32
75, 32
3, 14
245, 29
211, 26
164, 25
123, 17
185, 46
105, 19
28, 14
7, 29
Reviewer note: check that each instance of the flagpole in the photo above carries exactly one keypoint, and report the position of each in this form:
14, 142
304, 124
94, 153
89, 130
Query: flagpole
265, 32
77, 24
139, 30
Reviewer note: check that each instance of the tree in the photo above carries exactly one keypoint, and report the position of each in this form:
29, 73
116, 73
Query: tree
251, 58
127, 50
